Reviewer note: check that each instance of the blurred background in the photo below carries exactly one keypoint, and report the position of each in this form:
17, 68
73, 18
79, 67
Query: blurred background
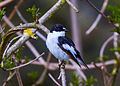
89, 44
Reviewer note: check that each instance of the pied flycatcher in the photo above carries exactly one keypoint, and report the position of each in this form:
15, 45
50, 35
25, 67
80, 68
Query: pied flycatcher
61, 46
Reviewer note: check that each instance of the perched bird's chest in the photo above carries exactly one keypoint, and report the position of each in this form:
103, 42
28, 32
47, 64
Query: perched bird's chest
52, 45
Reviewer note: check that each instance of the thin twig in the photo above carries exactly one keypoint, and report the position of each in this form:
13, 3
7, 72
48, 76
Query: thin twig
115, 43
116, 69
78, 69
54, 79
109, 21
20, 15
8, 79
25, 21
17, 71
51, 11
41, 36
105, 77
29, 45
72, 6
62, 75
1, 31
18, 77
40, 80
103, 68
5, 2
24, 64
54, 66
8, 47
13, 12
98, 18
103, 47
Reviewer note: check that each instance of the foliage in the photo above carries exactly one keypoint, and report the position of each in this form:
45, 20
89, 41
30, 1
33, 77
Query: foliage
33, 75
2, 12
75, 81
34, 11
88, 82
115, 15
1, 0
9, 63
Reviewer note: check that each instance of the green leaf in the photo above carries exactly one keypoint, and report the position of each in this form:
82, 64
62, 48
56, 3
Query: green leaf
33, 76
90, 81
34, 11
115, 50
75, 79
9, 63
2, 12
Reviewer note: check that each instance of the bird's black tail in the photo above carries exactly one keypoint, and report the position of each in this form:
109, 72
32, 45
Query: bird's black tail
80, 61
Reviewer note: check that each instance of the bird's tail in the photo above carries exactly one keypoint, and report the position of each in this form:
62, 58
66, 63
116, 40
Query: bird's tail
83, 63
78, 59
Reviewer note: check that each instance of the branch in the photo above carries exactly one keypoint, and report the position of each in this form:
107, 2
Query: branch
54, 66
25, 21
109, 21
103, 68
51, 11
62, 75
41, 20
18, 77
24, 64
78, 69
20, 15
14, 11
98, 18
40, 80
1, 31
115, 43
54, 79
72, 6
103, 47
5, 2
29, 45
8, 47
8, 79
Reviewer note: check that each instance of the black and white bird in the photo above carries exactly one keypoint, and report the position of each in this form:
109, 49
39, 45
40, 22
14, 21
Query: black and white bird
61, 46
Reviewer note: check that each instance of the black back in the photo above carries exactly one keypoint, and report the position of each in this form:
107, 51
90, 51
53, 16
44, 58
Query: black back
65, 40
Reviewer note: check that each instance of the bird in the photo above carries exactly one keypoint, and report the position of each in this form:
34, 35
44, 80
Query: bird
62, 47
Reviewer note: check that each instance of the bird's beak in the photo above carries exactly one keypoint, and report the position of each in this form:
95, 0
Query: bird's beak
66, 30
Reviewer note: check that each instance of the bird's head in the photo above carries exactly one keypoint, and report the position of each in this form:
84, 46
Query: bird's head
58, 28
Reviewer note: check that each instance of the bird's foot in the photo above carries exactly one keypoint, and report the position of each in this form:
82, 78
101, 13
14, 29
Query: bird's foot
62, 65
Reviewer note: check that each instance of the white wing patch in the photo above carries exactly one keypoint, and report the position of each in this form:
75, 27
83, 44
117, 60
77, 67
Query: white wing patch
70, 48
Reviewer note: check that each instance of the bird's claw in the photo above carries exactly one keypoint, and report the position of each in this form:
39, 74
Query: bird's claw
62, 65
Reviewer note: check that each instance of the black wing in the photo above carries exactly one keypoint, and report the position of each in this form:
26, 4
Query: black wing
64, 40
68, 46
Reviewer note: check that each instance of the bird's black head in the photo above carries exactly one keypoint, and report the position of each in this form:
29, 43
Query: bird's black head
58, 28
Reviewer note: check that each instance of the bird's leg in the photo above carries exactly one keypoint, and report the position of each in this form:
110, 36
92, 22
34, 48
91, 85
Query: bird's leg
62, 65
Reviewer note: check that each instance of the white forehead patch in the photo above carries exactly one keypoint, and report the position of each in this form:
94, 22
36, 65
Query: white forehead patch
64, 28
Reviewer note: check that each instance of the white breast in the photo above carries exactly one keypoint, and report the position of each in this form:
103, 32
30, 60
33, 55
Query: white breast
52, 45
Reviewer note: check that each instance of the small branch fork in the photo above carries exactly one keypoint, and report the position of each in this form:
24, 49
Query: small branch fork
97, 10
105, 3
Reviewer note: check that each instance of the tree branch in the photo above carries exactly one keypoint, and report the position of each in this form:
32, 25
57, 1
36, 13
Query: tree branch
98, 18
